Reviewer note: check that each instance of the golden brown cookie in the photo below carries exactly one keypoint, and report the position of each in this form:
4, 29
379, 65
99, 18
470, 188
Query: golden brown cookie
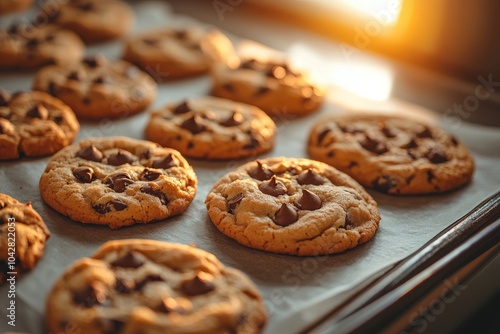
118, 181
212, 128
10, 6
292, 206
391, 154
34, 124
145, 286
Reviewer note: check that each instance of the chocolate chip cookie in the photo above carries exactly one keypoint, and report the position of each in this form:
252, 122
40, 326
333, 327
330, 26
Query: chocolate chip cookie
212, 128
94, 20
392, 155
34, 124
118, 181
145, 286
99, 88
293, 206
22, 237
171, 53
31, 46
275, 87
10, 6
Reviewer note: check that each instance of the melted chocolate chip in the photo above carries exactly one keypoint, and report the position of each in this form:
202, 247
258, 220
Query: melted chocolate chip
310, 177
111, 326
384, 183
286, 215
425, 133
91, 296
412, 144
129, 260
193, 125
75, 75
322, 135
4, 98
120, 158
164, 163
38, 111
156, 193
124, 285
84, 174
86, 100
373, 145
235, 119
437, 155
388, 132
262, 91
14, 29
118, 182
308, 201
146, 154
254, 143
118, 204
150, 278
90, 153
454, 140
32, 44
234, 202
95, 61
352, 164
182, 108
201, 284
103, 80
273, 187
51, 88
430, 176
260, 173
150, 175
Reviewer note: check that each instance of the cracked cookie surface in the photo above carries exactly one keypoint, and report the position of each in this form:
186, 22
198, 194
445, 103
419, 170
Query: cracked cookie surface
118, 181
34, 124
29, 233
392, 155
212, 128
293, 206
152, 287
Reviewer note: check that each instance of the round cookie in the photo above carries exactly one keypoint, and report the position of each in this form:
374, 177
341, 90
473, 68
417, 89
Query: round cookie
118, 181
391, 154
94, 20
292, 206
212, 128
99, 88
171, 53
31, 46
21, 222
153, 287
10, 6
34, 124
272, 86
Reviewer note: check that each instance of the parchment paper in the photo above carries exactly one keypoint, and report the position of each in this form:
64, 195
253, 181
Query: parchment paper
296, 290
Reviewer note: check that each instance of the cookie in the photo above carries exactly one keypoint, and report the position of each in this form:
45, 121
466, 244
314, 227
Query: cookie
118, 181
32, 46
11, 6
34, 124
391, 154
171, 53
145, 286
23, 236
270, 85
212, 128
94, 20
292, 206
98, 88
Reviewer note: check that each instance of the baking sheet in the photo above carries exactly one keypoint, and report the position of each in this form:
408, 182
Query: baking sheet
296, 290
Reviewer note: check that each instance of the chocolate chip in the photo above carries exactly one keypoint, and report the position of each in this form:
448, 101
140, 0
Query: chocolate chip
193, 125
352, 164
120, 158
150, 41
118, 204
322, 135
150, 175
373, 145
252, 144
75, 75
201, 284
118, 182
91, 296
38, 111
454, 140
50, 38
156, 193
102, 80
286, 215
260, 173
4, 98
234, 202
90, 153
150, 278
410, 178
425, 133
164, 163
84, 174
235, 119
102, 208
273, 187
180, 34
110, 326
124, 285
249, 64
310, 177
262, 91
86, 100
146, 154
132, 72
388, 132
437, 156
182, 108
308, 201
229, 87
32, 44
85, 6
170, 305
129, 260
412, 143
384, 183
14, 29
51, 88
190, 145
430, 176
95, 61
